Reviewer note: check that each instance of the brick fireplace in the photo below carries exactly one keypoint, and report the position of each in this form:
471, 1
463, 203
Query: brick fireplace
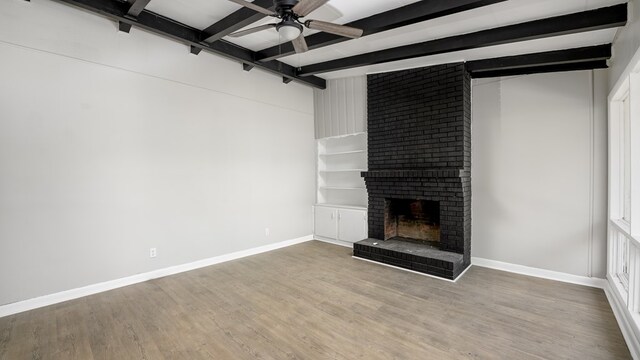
419, 183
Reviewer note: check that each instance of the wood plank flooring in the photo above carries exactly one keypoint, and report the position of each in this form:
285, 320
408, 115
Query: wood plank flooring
313, 301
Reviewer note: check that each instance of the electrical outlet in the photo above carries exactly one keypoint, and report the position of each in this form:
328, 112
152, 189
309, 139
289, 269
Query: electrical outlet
152, 252
267, 232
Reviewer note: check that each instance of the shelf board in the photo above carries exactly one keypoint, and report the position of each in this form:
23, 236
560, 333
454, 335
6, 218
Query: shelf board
341, 188
354, 207
343, 153
343, 170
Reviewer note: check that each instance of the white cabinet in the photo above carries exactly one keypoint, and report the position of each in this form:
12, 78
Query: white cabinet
326, 222
352, 225
342, 224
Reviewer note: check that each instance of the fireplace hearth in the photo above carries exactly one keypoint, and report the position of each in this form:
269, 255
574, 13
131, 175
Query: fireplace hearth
418, 182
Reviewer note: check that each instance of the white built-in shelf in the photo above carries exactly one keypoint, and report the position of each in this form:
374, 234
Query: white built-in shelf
341, 188
343, 170
341, 159
343, 153
345, 206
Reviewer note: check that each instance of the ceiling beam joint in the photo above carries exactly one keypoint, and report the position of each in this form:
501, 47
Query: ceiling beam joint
124, 27
195, 50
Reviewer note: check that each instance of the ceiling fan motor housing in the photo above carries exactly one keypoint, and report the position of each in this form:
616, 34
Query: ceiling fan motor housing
283, 8
285, 4
289, 18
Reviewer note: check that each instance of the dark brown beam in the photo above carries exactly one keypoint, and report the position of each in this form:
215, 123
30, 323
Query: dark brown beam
234, 22
165, 27
392, 19
124, 27
548, 58
588, 65
603, 18
136, 7
195, 50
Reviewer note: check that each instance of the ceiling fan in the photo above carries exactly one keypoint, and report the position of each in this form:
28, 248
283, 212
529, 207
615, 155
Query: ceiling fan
290, 27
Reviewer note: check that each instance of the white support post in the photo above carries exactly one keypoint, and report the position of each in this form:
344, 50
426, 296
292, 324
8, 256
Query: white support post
634, 98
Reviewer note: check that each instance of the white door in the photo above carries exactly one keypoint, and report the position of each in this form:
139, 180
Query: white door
326, 222
352, 225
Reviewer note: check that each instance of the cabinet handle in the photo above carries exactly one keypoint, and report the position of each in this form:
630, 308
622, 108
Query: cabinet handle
332, 215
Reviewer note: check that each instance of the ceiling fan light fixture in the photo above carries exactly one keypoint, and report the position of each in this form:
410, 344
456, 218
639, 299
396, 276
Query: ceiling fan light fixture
289, 30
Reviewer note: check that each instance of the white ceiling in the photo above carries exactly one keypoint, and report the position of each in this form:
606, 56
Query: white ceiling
202, 13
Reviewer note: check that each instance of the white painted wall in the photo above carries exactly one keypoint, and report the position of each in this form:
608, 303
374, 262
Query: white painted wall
112, 143
626, 43
539, 171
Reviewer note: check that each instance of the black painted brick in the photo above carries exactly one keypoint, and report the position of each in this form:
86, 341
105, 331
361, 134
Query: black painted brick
425, 265
419, 147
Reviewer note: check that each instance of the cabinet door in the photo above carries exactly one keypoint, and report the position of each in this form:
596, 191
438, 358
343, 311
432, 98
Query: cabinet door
326, 222
352, 225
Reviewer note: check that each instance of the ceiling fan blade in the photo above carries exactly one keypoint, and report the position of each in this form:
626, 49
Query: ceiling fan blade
300, 44
254, 7
305, 7
346, 31
252, 30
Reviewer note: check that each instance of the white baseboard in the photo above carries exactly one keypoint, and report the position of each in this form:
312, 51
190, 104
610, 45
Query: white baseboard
30, 304
541, 273
624, 321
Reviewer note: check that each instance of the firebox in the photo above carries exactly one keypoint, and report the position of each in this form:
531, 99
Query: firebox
412, 219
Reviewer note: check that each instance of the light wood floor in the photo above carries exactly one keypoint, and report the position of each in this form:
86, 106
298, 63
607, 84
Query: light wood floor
313, 301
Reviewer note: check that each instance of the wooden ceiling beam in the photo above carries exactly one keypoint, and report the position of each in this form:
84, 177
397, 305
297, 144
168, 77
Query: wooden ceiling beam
527, 70
591, 20
589, 54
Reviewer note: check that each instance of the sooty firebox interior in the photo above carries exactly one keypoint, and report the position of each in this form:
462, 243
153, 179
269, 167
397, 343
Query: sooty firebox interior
412, 219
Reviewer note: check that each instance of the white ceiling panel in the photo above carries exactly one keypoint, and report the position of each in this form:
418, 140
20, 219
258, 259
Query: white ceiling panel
358, 9
199, 14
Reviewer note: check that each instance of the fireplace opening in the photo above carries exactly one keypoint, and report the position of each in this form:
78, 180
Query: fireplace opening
412, 219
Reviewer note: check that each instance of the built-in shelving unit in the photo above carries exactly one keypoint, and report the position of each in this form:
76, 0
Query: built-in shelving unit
340, 215
341, 159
